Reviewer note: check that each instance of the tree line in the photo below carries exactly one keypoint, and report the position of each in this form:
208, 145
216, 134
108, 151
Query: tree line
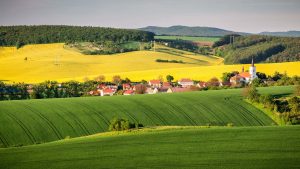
284, 110
54, 89
42, 34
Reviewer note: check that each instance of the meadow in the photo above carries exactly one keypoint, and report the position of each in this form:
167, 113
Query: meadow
37, 63
26, 122
189, 38
193, 147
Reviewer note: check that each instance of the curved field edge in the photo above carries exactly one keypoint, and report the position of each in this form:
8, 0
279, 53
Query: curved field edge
220, 147
28, 122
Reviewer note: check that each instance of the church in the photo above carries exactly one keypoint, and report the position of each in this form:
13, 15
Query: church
244, 77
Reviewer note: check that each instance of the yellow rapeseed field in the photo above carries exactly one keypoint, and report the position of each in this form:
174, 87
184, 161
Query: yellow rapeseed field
36, 63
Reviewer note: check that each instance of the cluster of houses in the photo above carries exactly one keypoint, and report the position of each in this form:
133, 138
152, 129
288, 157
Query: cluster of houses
152, 87
183, 85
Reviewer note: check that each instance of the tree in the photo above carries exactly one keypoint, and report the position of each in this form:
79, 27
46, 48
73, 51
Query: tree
160, 78
227, 75
19, 44
140, 88
251, 93
213, 82
116, 79
261, 75
277, 76
117, 124
256, 82
100, 78
169, 78
297, 90
294, 105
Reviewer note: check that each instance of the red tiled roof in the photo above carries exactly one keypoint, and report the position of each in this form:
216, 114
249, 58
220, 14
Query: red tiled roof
108, 90
166, 84
155, 81
101, 86
129, 92
185, 80
245, 74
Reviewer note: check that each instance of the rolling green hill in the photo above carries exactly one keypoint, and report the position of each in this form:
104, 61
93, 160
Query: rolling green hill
216, 148
37, 121
188, 31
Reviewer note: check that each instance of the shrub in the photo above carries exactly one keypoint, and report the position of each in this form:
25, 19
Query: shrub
230, 124
251, 93
120, 124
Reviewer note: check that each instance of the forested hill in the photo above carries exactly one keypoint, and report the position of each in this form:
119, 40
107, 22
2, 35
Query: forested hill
188, 31
261, 48
20, 35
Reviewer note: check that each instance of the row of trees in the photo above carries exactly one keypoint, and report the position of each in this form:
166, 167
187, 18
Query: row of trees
53, 89
186, 46
288, 108
21, 35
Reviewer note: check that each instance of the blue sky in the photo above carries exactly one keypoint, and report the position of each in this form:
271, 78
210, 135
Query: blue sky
238, 15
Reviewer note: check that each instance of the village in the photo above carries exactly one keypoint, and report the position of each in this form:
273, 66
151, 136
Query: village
156, 86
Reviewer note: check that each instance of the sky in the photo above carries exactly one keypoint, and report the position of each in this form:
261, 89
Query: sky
251, 16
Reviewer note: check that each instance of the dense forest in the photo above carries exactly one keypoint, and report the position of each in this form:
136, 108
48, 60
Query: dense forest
21, 35
262, 48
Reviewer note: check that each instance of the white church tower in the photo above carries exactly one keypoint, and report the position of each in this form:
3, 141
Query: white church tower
252, 71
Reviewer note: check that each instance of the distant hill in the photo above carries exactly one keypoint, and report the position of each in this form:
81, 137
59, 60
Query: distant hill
262, 48
43, 34
188, 31
283, 34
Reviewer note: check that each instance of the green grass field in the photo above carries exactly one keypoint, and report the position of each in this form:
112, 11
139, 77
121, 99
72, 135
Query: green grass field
216, 148
189, 38
28, 122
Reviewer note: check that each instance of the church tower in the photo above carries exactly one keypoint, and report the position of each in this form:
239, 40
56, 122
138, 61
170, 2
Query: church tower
252, 71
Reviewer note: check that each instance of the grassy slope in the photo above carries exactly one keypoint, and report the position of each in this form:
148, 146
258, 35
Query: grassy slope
189, 38
37, 121
251, 147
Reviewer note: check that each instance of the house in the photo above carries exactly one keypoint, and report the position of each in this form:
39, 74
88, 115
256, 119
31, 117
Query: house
150, 90
201, 84
164, 89
128, 92
237, 79
101, 86
166, 84
94, 92
155, 83
126, 86
107, 92
186, 82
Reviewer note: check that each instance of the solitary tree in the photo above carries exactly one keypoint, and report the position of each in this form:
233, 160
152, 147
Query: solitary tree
100, 78
116, 79
169, 78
